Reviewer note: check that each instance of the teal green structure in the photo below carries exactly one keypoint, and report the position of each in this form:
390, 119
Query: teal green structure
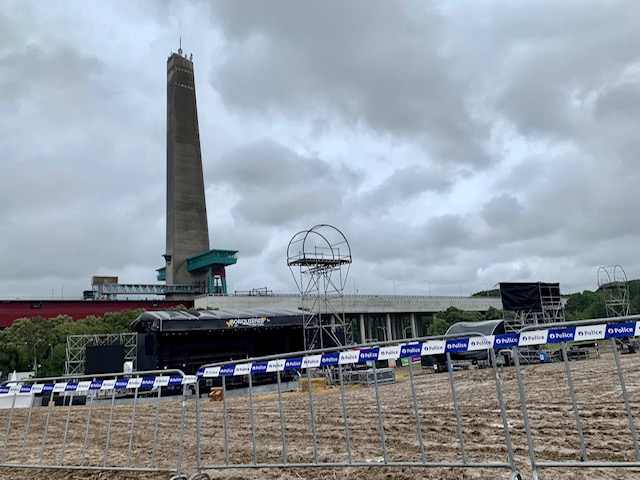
212, 263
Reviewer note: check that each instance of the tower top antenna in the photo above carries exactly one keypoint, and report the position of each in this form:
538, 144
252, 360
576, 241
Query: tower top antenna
180, 46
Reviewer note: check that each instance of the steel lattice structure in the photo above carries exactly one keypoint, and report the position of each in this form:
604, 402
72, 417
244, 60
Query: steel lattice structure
77, 348
110, 290
612, 282
319, 260
549, 310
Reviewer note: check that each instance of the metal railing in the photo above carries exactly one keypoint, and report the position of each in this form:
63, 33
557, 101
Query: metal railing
609, 404
577, 407
58, 423
402, 424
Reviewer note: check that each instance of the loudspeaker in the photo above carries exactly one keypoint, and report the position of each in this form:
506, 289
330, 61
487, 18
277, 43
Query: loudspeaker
148, 344
104, 359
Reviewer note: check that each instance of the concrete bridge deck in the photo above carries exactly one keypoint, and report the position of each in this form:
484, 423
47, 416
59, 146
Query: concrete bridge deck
355, 304
374, 317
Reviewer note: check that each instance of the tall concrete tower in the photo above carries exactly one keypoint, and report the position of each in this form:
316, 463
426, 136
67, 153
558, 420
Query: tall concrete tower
190, 267
187, 228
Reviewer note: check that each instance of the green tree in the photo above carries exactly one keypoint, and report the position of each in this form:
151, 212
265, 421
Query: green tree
493, 314
450, 316
487, 293
40, 344
438, 327
23, 344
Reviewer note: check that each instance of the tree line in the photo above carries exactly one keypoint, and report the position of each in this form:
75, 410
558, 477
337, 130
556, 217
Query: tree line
39, 344
579, 306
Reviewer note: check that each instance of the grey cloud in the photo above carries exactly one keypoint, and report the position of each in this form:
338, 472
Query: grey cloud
557, 63
413, 89
434, 241
63, 80
614, 135
371, 63
267, 164
567, 197
521, 174
538, 108
403, 185
551, 79
67, 239
251, 241
501, 210
619, 101
585, 200
73, 165
506, 270
509, 221
449, 232
277, 186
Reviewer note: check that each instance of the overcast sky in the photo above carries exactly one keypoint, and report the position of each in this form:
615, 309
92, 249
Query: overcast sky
455, 144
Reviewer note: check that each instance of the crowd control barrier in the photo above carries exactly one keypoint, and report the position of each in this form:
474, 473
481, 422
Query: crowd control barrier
418, 421
573, 406
59, 423
595, 408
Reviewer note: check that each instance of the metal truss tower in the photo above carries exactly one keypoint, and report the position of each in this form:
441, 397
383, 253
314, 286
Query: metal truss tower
319, 260
532, 304
612, 282
77, 349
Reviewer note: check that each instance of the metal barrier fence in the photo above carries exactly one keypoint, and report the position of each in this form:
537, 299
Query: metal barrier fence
418, 421
58, 423
596, 405
573, 408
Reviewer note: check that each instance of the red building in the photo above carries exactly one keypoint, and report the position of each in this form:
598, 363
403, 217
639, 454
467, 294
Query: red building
10, 310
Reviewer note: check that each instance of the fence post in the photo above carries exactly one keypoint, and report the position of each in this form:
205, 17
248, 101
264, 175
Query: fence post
625, 395
503, 411
572, 392
456, 408
380, 420
525, 413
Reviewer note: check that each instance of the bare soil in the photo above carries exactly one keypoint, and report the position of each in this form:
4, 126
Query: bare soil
604, 422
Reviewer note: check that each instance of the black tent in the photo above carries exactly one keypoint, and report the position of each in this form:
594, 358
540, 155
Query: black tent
466, 329
487, 327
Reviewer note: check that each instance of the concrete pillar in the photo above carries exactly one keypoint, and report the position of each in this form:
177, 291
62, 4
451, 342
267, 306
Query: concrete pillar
363, 333
414, 331
397, 326
389, 331
370, 335
187, 231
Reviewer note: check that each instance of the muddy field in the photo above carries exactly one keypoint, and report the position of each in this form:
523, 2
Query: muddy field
604, 421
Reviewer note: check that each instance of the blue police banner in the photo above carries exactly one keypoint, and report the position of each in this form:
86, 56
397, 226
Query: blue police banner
433, 347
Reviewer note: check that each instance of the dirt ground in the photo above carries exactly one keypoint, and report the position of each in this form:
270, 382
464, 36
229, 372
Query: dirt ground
604, 422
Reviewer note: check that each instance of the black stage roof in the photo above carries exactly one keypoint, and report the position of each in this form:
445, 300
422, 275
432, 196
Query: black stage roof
202, 320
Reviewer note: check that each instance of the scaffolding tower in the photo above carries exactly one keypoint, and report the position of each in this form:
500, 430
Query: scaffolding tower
319, 260
612, 282
77, 349
532, 304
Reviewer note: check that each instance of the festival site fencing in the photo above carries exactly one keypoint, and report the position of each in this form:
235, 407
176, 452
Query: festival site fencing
56, 423
399, 425
469, 420
596, 407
